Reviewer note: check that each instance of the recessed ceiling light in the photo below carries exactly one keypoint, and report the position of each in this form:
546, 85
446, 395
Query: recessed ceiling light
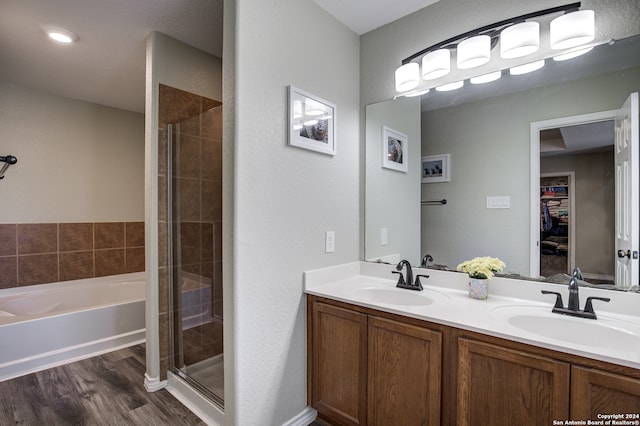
61, 35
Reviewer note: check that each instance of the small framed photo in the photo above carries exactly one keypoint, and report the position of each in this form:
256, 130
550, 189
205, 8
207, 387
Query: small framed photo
312, 122
436, 168
394, 150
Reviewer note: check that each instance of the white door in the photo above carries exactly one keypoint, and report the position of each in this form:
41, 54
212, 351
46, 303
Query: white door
627, 210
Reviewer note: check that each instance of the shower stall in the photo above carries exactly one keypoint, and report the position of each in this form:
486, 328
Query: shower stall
191, 128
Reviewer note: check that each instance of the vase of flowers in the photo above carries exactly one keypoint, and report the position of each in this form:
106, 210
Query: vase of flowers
480, 271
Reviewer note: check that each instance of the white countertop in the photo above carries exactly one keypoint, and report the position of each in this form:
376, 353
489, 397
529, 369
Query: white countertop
450, 305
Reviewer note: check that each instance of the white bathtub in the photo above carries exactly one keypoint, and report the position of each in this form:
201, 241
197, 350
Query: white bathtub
45, 325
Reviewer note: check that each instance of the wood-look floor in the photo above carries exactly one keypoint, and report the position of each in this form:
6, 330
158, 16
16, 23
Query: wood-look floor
105, 390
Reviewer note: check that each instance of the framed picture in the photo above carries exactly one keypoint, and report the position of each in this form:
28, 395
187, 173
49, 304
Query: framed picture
394, 150
436, 168
312, 122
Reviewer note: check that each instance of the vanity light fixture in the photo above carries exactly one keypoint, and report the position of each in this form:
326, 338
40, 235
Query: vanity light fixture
520, 40
526, 68
450, 86
416, 93
407, 77
474, 51
572, 29
518, 37
436, 64
572, 54
486, 78
61, 35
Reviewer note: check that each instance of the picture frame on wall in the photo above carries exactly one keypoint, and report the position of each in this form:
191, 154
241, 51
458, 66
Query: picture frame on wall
394, 150
436, 168
312, 122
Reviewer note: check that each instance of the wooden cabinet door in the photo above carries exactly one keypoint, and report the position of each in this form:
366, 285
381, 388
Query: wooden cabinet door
404, 374
498, 386
339, 364
596, 392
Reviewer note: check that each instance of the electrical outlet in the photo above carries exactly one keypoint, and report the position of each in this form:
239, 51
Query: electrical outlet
329, 242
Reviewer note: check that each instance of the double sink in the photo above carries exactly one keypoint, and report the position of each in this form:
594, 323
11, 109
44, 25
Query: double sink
533, 321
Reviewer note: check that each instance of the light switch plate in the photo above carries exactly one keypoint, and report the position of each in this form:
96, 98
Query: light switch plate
499, 202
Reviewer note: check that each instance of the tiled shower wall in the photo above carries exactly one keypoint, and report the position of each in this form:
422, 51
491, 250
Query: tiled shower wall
197, 188
39, 253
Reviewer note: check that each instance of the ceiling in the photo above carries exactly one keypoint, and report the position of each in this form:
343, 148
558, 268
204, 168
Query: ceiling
362, 16
107, 63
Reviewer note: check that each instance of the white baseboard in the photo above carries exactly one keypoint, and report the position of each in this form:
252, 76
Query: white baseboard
304, 418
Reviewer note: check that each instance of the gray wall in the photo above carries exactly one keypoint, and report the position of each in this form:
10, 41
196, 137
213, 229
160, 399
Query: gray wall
285, 198
489, 146
392, 199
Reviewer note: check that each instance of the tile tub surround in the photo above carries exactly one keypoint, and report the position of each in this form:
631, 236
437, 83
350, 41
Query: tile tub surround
343, 283
40, 253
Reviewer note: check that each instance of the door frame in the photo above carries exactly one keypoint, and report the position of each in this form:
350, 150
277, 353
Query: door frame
534, 188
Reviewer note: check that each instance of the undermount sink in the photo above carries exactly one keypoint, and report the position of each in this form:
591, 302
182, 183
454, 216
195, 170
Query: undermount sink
605, 332
397, 296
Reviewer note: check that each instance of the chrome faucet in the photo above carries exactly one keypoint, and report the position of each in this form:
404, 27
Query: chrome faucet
573, 308
408, 282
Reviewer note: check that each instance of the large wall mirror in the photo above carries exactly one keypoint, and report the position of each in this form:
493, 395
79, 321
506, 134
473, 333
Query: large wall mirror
487, 133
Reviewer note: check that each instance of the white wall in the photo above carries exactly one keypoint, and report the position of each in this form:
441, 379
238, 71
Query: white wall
77, 161
286, 197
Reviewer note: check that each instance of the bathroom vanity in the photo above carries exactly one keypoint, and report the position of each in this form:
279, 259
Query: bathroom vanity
378, 355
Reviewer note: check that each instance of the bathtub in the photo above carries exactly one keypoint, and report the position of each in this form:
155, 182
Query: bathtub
46, 325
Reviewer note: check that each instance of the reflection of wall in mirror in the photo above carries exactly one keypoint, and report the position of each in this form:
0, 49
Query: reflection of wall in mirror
392, 199
490, 141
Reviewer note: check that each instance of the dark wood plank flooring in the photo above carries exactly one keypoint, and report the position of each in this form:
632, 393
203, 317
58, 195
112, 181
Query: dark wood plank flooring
105, 390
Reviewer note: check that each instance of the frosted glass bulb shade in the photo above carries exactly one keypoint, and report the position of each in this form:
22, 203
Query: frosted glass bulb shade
436, 64
450, 86
486, 78
520, 40
474, 51
407, 77
572, 29
572, 54
526, 68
